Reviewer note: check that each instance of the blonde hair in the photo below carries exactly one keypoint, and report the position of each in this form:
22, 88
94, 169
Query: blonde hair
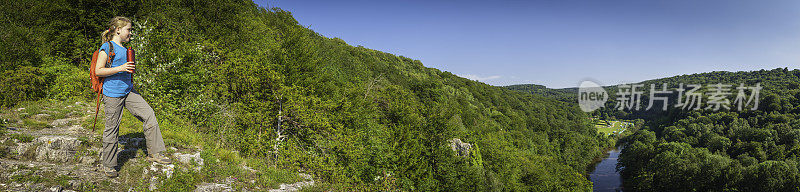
115, 23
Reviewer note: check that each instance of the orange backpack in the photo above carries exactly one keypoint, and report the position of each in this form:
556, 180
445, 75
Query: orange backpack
97, 82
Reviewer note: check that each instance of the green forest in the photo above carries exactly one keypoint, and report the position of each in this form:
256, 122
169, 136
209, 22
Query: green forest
251, 79
725, 150
708, 150
568, 95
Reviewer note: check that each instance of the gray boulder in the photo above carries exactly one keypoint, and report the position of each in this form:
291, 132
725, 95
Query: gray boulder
461, 148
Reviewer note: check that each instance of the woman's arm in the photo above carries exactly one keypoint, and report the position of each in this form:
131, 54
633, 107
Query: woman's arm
101, 70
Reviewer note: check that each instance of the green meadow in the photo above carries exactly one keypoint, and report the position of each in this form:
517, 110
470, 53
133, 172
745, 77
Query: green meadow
610, 127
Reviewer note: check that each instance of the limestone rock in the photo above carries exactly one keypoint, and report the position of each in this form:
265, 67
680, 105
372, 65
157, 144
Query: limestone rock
212, 187
41, 116
189, 158
55, 189
295, 186
50, 148
58, 142
461, 148
166, 169
63, 122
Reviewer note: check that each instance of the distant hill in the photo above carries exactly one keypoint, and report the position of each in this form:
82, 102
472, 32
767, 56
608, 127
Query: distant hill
566, 94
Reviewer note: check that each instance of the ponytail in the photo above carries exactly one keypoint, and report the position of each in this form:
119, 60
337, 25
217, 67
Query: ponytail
113, 25
106, 36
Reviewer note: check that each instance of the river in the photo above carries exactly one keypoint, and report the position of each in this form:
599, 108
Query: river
605, 176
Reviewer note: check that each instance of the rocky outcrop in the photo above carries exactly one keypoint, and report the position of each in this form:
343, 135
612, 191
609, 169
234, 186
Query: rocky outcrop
190, 159
213, 187
62, 155
64, 122
295, 186
52, 148
461, 148
25, 175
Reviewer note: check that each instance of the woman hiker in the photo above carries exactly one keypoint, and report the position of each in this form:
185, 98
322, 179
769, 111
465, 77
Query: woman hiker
118, 92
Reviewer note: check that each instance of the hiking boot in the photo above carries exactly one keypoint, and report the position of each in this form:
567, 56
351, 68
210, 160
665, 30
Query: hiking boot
110, 172
159, 158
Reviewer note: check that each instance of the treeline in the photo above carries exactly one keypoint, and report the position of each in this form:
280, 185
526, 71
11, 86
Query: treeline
256, 81
568, 95
725, 150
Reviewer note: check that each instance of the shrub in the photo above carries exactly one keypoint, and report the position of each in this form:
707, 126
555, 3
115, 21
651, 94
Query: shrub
69, 81
24, 83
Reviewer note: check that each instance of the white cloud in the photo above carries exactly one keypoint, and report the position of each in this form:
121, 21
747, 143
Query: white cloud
479, 78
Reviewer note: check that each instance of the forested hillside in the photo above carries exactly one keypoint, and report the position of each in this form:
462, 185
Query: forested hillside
568, 95
726, 150
253, 80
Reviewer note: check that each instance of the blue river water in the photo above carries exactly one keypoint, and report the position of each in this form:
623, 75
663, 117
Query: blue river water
605, 176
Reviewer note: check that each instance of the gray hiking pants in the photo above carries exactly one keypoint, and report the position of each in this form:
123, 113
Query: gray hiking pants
139, 108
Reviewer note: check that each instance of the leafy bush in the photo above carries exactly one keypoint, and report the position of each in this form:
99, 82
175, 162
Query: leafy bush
69, 81
23, 84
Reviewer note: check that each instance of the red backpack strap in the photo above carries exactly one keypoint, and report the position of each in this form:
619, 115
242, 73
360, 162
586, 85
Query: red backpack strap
111, 54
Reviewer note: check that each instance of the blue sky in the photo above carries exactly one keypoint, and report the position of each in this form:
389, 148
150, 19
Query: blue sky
558, 43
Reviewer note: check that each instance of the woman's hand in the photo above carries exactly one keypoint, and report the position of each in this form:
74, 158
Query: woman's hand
127, 67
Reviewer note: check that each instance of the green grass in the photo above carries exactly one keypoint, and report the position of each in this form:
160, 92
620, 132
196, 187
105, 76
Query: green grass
608, 127
180, 181
23, 115
34, 124
27, 177
22, 138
